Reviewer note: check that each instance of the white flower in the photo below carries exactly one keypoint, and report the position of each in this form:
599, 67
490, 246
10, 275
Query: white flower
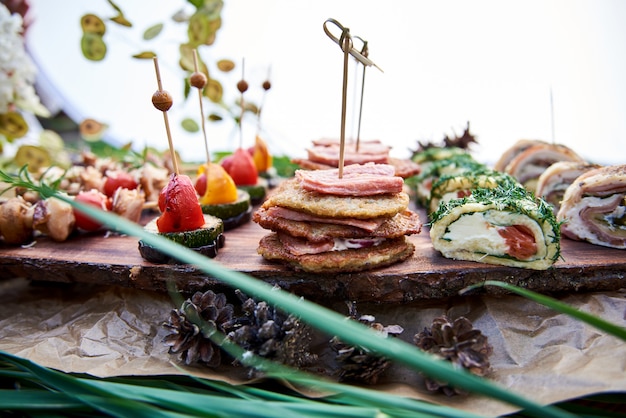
17, 71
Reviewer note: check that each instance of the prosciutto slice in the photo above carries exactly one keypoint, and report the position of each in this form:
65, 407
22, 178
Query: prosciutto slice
294, 215
300, 246
358, 180
327, 152
553, 182
594, 207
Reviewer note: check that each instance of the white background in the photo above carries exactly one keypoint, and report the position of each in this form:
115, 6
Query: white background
551, 70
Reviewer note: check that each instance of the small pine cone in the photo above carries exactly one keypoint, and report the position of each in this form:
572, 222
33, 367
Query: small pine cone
270, 333
192, 324
356, 363
459, 343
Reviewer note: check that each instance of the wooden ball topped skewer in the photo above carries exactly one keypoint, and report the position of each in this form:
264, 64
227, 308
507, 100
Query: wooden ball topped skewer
266, 85
242, 86
199, 81
163, 101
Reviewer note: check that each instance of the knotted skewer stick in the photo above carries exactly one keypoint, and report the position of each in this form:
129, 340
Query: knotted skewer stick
358, 55
162, 100
347, 46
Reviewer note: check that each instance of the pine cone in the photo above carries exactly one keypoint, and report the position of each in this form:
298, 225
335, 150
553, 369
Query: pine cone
270, 333
192, 324
457, 342
358, 364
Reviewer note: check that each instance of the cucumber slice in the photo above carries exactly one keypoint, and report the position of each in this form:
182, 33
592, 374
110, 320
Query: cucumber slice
257, 192
205, 240
229, 210
235, 221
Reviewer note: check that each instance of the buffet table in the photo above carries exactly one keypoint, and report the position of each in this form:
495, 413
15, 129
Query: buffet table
92, 305
106, 258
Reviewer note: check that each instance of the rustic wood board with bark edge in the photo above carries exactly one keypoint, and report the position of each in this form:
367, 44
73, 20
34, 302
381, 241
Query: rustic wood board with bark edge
112, 259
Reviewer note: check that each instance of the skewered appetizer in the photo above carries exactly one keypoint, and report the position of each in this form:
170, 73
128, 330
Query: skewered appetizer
594, 207
183, 222
527, 159
553, 182
216, 188
220, 197
181, 219
504, 225
325, 224
241, 167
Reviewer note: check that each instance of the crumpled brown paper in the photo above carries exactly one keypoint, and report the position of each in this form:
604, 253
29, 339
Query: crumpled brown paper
111, 331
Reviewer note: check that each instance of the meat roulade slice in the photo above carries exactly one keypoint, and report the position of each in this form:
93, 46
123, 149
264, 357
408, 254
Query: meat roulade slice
594, 207
553, 182
505, 225
533, 158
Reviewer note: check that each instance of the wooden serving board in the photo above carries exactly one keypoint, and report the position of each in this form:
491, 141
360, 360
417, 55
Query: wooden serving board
115, 260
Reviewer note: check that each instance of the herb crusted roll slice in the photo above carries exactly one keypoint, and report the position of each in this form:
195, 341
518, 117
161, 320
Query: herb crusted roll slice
456, 186
505, 225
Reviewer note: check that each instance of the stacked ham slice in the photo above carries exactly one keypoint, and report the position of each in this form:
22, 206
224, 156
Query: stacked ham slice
324, 154
322, 223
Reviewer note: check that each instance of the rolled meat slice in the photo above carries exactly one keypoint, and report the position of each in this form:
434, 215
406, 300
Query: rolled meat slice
527, 165
594, 207
553, 182
457, 186
504, 225
516, 149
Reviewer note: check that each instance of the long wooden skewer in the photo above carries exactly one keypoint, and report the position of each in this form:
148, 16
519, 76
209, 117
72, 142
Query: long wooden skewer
552, 115
242, 86
365, 53
206, 141
164, 107
346, 46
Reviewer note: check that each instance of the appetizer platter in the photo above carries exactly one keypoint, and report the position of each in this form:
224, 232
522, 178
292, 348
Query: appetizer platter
98, 258
352, 223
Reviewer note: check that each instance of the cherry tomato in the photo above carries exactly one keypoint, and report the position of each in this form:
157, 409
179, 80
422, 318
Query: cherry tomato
240, 166
94, 198
179, 205
116, 180
200, 185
